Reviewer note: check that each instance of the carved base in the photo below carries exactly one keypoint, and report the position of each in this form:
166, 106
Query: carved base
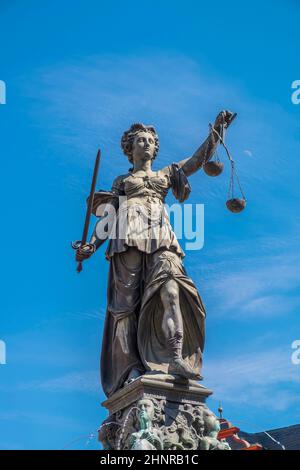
159, 411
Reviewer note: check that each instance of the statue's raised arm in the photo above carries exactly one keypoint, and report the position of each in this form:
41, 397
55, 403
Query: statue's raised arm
205, 152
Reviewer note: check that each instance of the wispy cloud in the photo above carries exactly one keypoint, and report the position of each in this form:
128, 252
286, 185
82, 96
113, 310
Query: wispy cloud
85, 381
264, 379
251, 278
24, 416
257, 291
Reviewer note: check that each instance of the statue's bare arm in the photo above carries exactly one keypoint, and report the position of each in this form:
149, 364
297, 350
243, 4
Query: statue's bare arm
205, 152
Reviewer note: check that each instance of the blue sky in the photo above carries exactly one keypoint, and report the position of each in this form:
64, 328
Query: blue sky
77, 75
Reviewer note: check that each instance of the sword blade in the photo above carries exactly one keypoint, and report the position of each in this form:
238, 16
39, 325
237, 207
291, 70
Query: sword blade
90, 205
91, 200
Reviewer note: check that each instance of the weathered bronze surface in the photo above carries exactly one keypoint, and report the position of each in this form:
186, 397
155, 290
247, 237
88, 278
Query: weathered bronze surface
236, 204
155, 316
213, 168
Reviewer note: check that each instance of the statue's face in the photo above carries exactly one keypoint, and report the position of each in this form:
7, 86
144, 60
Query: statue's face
148, 407
143, 147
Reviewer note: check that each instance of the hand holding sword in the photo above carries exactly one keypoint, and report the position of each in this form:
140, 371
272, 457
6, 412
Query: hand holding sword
83, 249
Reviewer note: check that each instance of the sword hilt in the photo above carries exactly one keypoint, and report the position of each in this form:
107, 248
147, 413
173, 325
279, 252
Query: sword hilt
76, 245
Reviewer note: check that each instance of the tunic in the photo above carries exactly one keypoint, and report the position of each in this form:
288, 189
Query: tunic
148, 227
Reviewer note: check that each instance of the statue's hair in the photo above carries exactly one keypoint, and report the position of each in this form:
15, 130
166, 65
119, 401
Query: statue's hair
129, 135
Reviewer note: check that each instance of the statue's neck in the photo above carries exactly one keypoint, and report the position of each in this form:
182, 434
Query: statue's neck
142, 166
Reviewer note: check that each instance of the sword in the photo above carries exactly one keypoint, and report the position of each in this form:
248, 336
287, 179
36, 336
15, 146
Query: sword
79, 243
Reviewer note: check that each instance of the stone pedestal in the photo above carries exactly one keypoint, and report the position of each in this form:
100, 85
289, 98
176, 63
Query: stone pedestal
160, 412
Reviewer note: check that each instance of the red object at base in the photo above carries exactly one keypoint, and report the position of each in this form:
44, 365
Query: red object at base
253, 447
224, 433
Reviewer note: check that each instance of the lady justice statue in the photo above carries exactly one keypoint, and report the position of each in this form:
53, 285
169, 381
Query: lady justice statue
155, 316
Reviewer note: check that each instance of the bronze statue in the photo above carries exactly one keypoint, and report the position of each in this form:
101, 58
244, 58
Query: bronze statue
155, 316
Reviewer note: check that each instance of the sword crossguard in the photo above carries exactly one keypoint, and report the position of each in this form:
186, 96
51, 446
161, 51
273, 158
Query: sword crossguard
76, 245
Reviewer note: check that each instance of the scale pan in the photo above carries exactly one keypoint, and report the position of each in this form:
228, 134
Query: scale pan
236, 205
213, 168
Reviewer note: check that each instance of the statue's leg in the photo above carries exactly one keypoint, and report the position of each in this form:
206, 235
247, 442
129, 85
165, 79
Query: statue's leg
173, 330
120, 359
172, 319
132, 259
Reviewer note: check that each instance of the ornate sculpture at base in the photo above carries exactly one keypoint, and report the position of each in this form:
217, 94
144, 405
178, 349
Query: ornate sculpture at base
148, 437
159, 412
